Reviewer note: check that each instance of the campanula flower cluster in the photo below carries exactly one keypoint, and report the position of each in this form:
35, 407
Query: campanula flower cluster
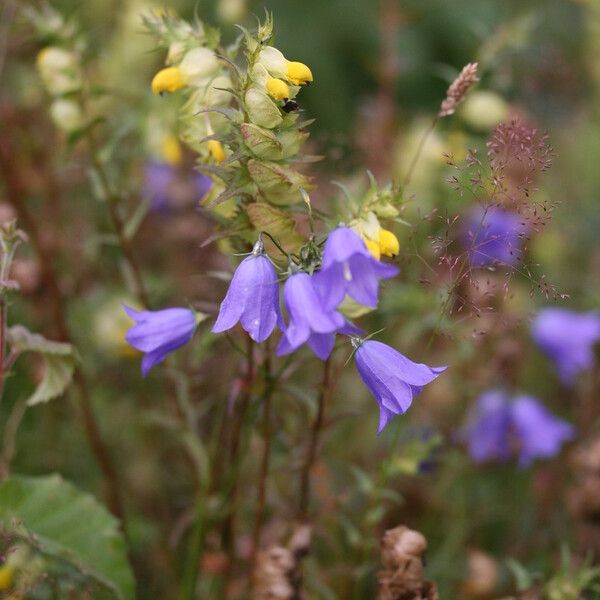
502, 426
568, 339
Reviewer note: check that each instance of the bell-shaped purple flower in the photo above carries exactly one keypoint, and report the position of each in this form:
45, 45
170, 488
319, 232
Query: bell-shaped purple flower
392, 378
494, 236
158, 333
568, 339
349, 268
501, 426
159, 184
252, 298
309, 321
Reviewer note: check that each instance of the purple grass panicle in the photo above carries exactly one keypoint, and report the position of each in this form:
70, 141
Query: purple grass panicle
393, 379
568, 339
157, 333
252, 297
349, 268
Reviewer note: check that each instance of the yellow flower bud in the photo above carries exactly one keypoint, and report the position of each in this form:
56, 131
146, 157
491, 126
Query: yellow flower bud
66, 114
388, 243
373, 248
298, 73
216, 149
278, 89
171, 150
167, 80
6, 577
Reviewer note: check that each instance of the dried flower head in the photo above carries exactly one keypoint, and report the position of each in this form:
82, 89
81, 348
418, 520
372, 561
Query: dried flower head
458, 89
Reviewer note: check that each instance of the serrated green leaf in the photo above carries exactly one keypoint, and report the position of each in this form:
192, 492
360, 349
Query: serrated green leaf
66, 523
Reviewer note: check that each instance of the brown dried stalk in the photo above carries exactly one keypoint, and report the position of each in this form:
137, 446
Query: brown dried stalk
458, 89
401, 577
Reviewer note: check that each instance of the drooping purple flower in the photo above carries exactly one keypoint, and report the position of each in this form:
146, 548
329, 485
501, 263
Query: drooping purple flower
540, 434
349, 268
310, 322
501, 426
568, 339
494, 236
157, 333
252, 297
159, 177
393, 379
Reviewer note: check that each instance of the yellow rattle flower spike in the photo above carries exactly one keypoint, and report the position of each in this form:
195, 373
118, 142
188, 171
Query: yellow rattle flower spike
167, 80
388, 243
216, 150
298, 73
278, 89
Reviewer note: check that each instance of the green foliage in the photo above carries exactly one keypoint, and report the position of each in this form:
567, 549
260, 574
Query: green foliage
67, 524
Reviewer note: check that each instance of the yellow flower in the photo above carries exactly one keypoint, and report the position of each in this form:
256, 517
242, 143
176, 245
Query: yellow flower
167, 80
278, 89
216, 149
373, 248
171, 150
298, 73
388, 243
6, 577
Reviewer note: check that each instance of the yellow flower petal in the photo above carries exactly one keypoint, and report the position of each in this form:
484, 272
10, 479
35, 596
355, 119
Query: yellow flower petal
6, 577
278, 89
388, 243
373, 248
167, 80
216, 149
298, 73
171, 150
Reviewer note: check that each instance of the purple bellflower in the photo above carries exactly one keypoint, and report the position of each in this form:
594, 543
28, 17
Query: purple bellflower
568, 339
310, 322
349, 268
393, 379
501, 426
157, 333
494, 237
252, 297
158, 181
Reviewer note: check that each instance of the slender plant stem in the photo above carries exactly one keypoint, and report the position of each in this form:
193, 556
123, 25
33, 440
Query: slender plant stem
265, 460
228, 532
2, 341
418, 152
311, 453
16, 191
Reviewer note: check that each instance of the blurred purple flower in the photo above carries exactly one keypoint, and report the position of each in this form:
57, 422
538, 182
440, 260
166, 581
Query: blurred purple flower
158, 179
349, 268
158, 333
568, 339
310, 322
393, 379
494, 237
252, 297
501, 426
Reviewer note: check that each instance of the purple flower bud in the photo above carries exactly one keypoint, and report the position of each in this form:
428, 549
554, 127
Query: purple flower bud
568, 339
252, 298
494, 237
393, 379
349, 268
501, 426
310, 322
158, 333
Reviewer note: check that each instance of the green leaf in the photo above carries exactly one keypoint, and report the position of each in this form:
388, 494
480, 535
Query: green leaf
65, 523
59, 362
